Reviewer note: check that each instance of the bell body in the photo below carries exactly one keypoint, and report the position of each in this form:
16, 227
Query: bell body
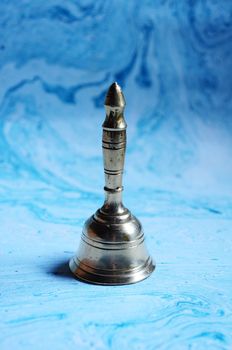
112, 249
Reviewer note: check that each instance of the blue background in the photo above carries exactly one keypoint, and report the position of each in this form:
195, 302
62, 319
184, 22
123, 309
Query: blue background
173, 61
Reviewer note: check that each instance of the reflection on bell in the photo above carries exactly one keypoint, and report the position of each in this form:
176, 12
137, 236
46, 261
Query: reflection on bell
112, 249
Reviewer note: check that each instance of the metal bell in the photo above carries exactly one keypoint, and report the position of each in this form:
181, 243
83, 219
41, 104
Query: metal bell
112, 249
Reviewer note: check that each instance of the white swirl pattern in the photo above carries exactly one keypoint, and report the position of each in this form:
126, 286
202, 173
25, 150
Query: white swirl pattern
173, 60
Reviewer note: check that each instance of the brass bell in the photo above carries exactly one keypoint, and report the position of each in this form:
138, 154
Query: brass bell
112, 250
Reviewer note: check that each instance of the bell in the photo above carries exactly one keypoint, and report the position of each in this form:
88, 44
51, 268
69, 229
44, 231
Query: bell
112, 249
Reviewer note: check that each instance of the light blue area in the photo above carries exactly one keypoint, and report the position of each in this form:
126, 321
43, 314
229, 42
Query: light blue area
173, 60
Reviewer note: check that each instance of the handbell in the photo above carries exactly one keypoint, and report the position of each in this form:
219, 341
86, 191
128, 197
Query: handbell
112, 250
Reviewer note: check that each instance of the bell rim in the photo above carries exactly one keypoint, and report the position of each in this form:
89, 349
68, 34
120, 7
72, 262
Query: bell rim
130, 277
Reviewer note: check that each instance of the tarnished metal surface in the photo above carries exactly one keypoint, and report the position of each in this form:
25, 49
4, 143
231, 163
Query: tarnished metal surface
112, 249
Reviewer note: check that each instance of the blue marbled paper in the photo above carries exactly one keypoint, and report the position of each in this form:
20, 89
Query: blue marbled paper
173, 61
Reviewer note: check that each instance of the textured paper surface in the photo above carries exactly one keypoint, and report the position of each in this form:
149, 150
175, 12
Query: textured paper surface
173, 61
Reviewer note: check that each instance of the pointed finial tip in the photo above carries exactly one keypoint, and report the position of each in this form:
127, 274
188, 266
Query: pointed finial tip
115, 85
114, 96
